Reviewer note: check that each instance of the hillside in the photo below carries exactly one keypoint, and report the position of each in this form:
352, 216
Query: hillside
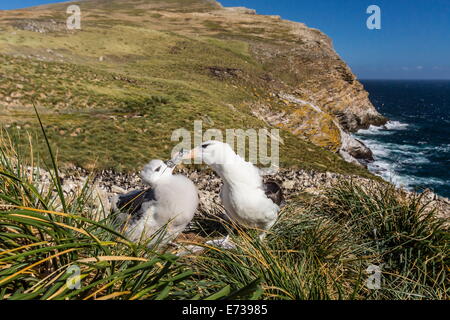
110, 96
112, 93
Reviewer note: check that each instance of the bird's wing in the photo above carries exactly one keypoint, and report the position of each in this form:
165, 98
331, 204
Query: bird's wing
224, 196
226, 201
274, 192
131, 203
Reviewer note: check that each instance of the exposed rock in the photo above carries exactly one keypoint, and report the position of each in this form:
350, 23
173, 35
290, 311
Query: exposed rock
117, 189
223, 73
293, 182
241, 10
319, 75
354, 148
288, 184
349, 158
310, 121
41, 26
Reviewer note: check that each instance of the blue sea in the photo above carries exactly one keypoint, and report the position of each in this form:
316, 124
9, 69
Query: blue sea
413, 149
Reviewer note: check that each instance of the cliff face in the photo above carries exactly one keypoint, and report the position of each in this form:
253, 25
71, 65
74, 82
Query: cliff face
308, 63
139, 69
325, 99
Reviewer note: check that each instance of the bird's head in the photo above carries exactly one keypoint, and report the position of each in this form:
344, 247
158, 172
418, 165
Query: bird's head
154, 171
213, 153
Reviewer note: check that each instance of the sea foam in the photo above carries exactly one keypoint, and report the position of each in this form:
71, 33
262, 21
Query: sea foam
390, 159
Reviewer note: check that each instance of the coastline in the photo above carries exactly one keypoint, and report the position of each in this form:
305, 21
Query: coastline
412, 149
387, 157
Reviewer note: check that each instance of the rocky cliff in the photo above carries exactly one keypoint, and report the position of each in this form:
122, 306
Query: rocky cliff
137, 64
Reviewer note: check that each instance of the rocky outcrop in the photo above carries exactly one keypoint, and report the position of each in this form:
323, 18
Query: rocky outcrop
324, 100
242, 10
317, 74
41, 26
317, 126
353, 150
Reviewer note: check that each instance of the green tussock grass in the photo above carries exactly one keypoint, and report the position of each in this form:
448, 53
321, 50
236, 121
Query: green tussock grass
320, 248
45, 233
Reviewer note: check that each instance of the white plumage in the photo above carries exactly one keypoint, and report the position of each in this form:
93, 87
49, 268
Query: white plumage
170, 203
245, 197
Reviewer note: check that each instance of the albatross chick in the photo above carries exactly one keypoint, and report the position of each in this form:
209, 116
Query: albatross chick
161, 212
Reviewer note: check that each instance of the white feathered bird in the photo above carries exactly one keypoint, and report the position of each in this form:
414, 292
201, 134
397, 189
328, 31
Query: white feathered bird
247, 200
170, 201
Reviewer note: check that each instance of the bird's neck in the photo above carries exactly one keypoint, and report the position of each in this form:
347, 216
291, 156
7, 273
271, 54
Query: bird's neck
161, 181
237, 172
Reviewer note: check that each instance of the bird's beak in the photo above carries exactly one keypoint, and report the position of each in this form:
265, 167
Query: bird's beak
170, 164
191, 154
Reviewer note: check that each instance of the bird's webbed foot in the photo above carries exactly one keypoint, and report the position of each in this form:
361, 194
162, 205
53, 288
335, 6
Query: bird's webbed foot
224, 243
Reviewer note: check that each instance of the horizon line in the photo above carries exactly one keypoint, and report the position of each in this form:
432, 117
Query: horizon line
398, 79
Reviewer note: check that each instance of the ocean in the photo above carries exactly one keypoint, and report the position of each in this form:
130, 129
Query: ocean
413, 149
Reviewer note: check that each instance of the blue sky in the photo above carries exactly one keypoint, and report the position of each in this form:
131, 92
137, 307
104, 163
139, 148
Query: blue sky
413, 43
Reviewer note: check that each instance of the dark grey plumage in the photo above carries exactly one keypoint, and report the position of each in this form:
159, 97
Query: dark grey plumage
131, 203
274, 192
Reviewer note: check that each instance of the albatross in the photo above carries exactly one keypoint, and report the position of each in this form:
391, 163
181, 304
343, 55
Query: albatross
170, 201
246, 198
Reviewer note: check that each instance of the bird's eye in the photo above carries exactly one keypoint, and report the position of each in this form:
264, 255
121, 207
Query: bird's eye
158, 169
204, 146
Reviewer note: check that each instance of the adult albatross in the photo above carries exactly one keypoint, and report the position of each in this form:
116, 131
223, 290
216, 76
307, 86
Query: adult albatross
247, 200
170, 201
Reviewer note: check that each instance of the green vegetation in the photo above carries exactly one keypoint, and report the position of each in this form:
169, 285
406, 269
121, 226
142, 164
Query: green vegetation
101, 119
110, 96
319, 248
112, 93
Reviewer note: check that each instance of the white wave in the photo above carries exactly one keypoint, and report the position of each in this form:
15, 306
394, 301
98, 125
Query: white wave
378, 150
391, 159
396, 125
381, 167
388, 171
373, 130
416, 160
445, 148
424, 146
389, 128
397, 152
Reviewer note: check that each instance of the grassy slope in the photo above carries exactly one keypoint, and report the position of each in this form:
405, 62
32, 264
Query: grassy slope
120, 112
